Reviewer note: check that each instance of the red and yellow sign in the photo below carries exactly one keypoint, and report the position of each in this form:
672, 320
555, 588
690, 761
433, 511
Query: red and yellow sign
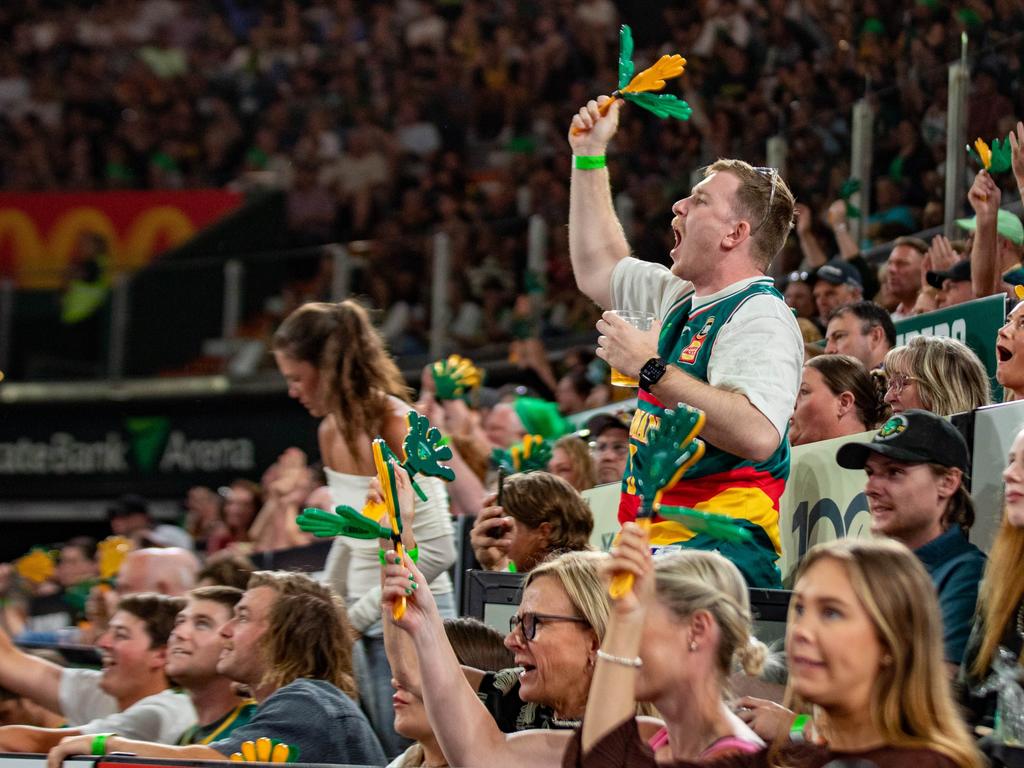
39, 232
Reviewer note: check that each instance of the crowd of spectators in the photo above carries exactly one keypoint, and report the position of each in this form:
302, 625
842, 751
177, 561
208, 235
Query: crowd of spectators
390, 120
386, 122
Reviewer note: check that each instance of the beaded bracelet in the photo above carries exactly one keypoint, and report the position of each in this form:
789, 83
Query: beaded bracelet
636, 662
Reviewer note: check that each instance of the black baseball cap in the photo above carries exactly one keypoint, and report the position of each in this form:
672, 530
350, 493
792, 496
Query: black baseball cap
837, 272
915, 436
602, 422
959, 272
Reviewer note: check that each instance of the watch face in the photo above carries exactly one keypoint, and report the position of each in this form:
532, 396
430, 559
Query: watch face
651, 373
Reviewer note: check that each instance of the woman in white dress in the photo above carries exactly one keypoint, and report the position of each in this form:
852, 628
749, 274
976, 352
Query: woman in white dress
337, 366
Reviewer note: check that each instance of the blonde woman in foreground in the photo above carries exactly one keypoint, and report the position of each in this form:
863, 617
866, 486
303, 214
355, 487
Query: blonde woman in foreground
674, 641
864, 641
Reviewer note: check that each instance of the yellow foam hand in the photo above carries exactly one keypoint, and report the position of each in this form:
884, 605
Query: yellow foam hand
984, 153
37, 566
265, 750
653, 78
111, 553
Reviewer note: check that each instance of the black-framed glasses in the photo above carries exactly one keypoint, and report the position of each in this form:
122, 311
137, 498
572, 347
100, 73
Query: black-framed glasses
528, 622
772, 174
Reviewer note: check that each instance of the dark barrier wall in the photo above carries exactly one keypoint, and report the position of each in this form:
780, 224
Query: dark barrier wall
157, 448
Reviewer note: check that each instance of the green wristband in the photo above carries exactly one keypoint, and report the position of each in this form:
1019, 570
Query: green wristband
99, 743
588, 162
798, 730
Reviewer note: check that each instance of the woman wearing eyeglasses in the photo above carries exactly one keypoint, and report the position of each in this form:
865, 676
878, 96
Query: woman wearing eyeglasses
528, 713
935, 374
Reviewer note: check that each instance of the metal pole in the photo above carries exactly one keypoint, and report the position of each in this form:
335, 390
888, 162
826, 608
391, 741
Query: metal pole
860, 163
234, 274
119, 310
956, 138
439, 294
537, 245
6, 321
341, 275
777, 154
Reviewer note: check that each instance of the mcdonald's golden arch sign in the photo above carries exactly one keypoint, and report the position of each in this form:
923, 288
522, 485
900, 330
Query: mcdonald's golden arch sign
39, 232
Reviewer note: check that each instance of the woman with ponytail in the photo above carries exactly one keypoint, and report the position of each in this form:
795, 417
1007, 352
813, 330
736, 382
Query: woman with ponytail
674, 641
337, 366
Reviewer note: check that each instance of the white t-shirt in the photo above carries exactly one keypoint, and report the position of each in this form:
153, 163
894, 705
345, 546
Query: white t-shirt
353, 565
162, 717
759, 352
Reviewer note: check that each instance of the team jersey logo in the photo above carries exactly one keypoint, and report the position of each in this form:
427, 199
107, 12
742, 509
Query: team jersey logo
689, 355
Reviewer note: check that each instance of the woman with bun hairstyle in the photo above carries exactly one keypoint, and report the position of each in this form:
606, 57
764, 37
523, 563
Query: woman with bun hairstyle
837, 397
674, 641
337, 365
864, 643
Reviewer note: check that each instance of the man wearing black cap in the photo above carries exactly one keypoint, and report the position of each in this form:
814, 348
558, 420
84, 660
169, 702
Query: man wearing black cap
835, 283
609, 445
953, 284
915, 467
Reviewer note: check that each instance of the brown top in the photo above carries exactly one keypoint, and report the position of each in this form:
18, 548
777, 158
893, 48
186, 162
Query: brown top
625, 747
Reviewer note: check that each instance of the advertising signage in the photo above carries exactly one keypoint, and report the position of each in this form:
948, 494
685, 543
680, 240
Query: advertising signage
156, 448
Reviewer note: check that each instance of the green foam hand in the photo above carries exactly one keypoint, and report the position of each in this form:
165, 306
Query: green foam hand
662, 105
670, 449
424, 450
454, 377
849, 189
344, 521
716, 526
531, 455
626, 66
994, 158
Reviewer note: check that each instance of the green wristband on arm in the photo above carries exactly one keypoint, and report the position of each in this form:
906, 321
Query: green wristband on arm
588, 162
99, 743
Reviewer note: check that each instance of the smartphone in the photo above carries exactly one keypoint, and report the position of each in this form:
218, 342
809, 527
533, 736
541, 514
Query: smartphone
501, 486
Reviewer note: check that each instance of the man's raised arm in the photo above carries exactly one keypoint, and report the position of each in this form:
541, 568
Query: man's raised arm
28, 675
596, 240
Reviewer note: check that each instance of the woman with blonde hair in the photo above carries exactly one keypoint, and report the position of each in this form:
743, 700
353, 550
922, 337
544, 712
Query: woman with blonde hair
1000, 619
864, 642
519, 716
673, 641
571, 461
935, 374
337, 365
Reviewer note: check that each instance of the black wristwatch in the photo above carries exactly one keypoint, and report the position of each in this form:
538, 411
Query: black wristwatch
651, 373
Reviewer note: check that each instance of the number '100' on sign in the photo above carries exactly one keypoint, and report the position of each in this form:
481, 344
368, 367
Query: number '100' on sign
824, 521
